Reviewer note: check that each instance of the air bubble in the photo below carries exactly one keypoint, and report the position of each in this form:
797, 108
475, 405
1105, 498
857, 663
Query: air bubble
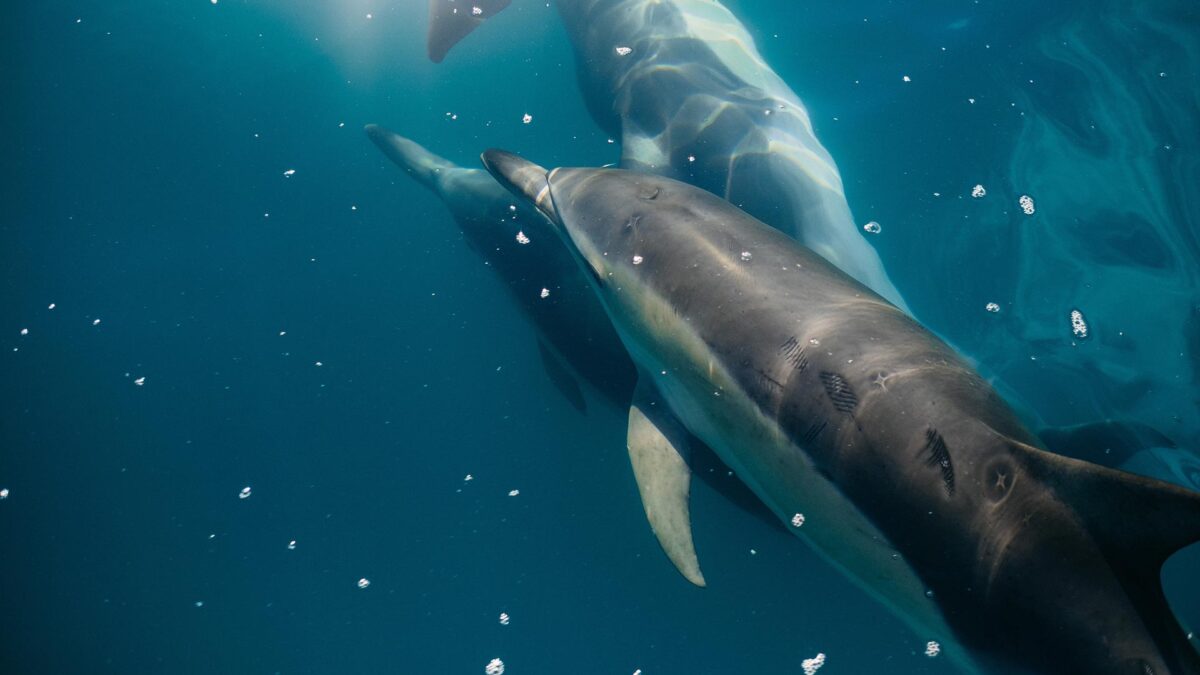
1079, 325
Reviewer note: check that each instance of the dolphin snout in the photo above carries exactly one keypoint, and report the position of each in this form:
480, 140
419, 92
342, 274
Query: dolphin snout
522, 177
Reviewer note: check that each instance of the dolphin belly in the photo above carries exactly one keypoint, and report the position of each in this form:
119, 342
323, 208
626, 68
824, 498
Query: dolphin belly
712, 404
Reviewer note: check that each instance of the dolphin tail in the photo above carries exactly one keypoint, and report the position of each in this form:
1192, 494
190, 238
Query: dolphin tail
450, 22
1138, 523
424, 166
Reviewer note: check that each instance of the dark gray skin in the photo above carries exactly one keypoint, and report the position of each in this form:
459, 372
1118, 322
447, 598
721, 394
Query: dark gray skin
575, 336
1038, 563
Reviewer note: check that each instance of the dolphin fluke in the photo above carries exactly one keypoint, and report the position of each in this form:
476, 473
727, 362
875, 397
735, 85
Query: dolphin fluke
450, 21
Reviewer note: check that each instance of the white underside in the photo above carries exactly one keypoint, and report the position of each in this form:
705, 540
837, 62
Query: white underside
715, 409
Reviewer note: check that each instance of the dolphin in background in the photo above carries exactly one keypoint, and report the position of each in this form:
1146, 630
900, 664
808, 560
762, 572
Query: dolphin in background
575, 338
526, 254
914, 477
683, 86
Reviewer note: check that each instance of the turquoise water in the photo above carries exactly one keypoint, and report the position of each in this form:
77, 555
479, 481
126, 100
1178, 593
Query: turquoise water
328, 339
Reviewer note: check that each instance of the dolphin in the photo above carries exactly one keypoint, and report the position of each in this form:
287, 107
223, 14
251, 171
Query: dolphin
574, 335
575, 339
686, 90
847, 418
683, 86
451, 21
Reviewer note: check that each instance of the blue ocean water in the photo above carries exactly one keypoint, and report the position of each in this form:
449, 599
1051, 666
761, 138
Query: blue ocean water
327, 339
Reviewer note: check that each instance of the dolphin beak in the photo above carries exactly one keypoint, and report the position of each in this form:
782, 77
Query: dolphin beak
523, 178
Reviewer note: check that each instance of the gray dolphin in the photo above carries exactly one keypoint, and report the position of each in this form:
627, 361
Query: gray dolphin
902, 466
683, 86
686, 90
526, 254
575, 336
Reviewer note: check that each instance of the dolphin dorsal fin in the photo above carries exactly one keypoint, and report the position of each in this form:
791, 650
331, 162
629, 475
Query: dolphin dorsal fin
657, 449
1138, 522
453, 20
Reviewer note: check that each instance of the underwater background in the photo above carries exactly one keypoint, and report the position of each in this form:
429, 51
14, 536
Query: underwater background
212, 280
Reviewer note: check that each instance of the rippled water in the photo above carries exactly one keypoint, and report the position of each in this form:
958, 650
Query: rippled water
249, 365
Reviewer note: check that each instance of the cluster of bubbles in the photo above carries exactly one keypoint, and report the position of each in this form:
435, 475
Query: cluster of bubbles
992, 307
932, 649
1026, 203
812, 665
1079, 326
872, 228
798, 520
978, 191
494, 667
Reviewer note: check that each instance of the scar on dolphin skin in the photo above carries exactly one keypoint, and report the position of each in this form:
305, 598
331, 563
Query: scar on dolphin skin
939, 456
812, 433
793, 352
839, 391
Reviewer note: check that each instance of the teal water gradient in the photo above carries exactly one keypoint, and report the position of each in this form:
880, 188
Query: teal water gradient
145, 142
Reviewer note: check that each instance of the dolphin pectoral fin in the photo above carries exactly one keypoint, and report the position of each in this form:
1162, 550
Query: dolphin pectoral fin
1108, 443
451, 21
560, 375
657, 445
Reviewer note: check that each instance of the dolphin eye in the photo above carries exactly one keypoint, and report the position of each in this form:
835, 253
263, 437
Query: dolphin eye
650, 193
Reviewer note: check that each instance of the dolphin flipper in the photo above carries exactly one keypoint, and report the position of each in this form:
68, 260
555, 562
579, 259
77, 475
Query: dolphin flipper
451, 21
657, 449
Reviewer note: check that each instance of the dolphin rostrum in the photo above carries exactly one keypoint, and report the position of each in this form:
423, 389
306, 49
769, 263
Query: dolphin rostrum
845, 416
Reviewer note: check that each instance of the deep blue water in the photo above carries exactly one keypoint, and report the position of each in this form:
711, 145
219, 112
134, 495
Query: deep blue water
351, 360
